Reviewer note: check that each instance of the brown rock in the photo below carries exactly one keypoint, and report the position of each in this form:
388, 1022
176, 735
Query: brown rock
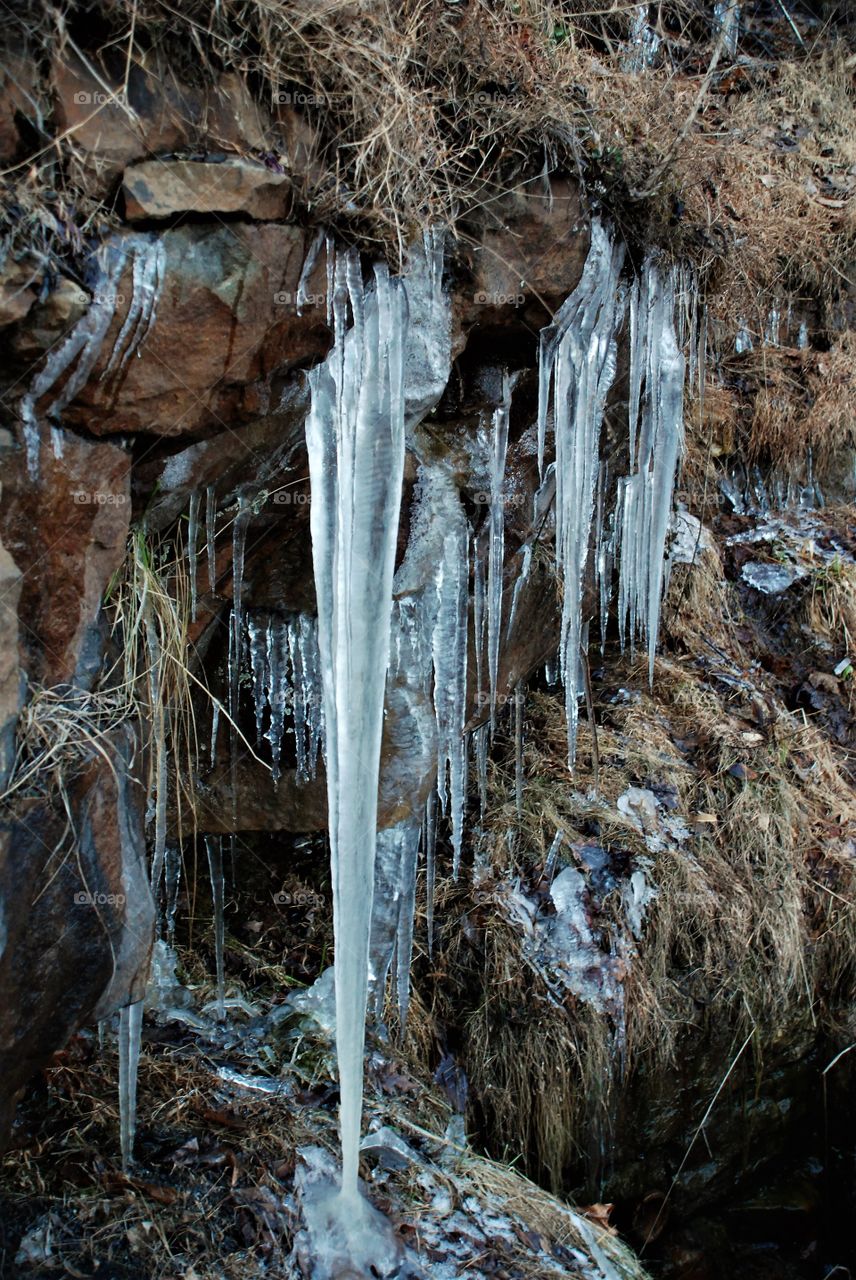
18, 93
533, 247
78, 916
226, 321
67, 534
162, 188
18, 291
49, 320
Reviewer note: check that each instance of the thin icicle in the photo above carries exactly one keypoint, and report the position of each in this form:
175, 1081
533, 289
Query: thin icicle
192, 538
579, 356
147, 276
172, 869
130, 1038
496, 545
258, 634
214, 850
279, 693
480, 742
355, 440
215, 725
309, 264
429, 841
449, 645
211, 534
159, 780
519, 699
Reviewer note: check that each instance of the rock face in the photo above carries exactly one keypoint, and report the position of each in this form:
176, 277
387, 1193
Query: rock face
68, 536
78, 919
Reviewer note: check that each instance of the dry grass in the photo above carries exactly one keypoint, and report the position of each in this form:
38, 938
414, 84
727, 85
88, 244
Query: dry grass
753, 927
426, 111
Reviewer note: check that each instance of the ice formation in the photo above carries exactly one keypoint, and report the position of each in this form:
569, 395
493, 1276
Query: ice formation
355, 441
214, 850
80, 349
577, 359
130, 1038
656, 441
286, 682
496, 544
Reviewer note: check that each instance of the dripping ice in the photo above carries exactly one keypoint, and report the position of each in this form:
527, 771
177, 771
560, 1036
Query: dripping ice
577, 362
355, 440
656, 441
81, 348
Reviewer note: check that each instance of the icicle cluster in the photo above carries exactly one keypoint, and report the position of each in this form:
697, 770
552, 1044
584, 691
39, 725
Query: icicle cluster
286, 675
80, 349
578, 358
656, 440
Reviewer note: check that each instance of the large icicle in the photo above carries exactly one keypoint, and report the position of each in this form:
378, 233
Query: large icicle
355, 439
578, 355
656, 440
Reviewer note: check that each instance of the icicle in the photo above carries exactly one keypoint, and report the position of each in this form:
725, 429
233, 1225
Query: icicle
210, 535
83, 344
579, 355
355, 440
518, 749
644, 42
239, 539
308, 267
553, 855
147, 282
215, 724
159, 783
192, 535
726, 17
310, 692
214, 849
496, 553
130, 1038
646, 495
278, 691
522, 579
172, 869
480, 742
429, 842
478, 616
449, 646
258, 633
406, 912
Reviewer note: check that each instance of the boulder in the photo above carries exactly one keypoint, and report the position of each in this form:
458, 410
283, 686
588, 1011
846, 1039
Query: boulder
163, 188
18, 94
78, 917
19, 288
